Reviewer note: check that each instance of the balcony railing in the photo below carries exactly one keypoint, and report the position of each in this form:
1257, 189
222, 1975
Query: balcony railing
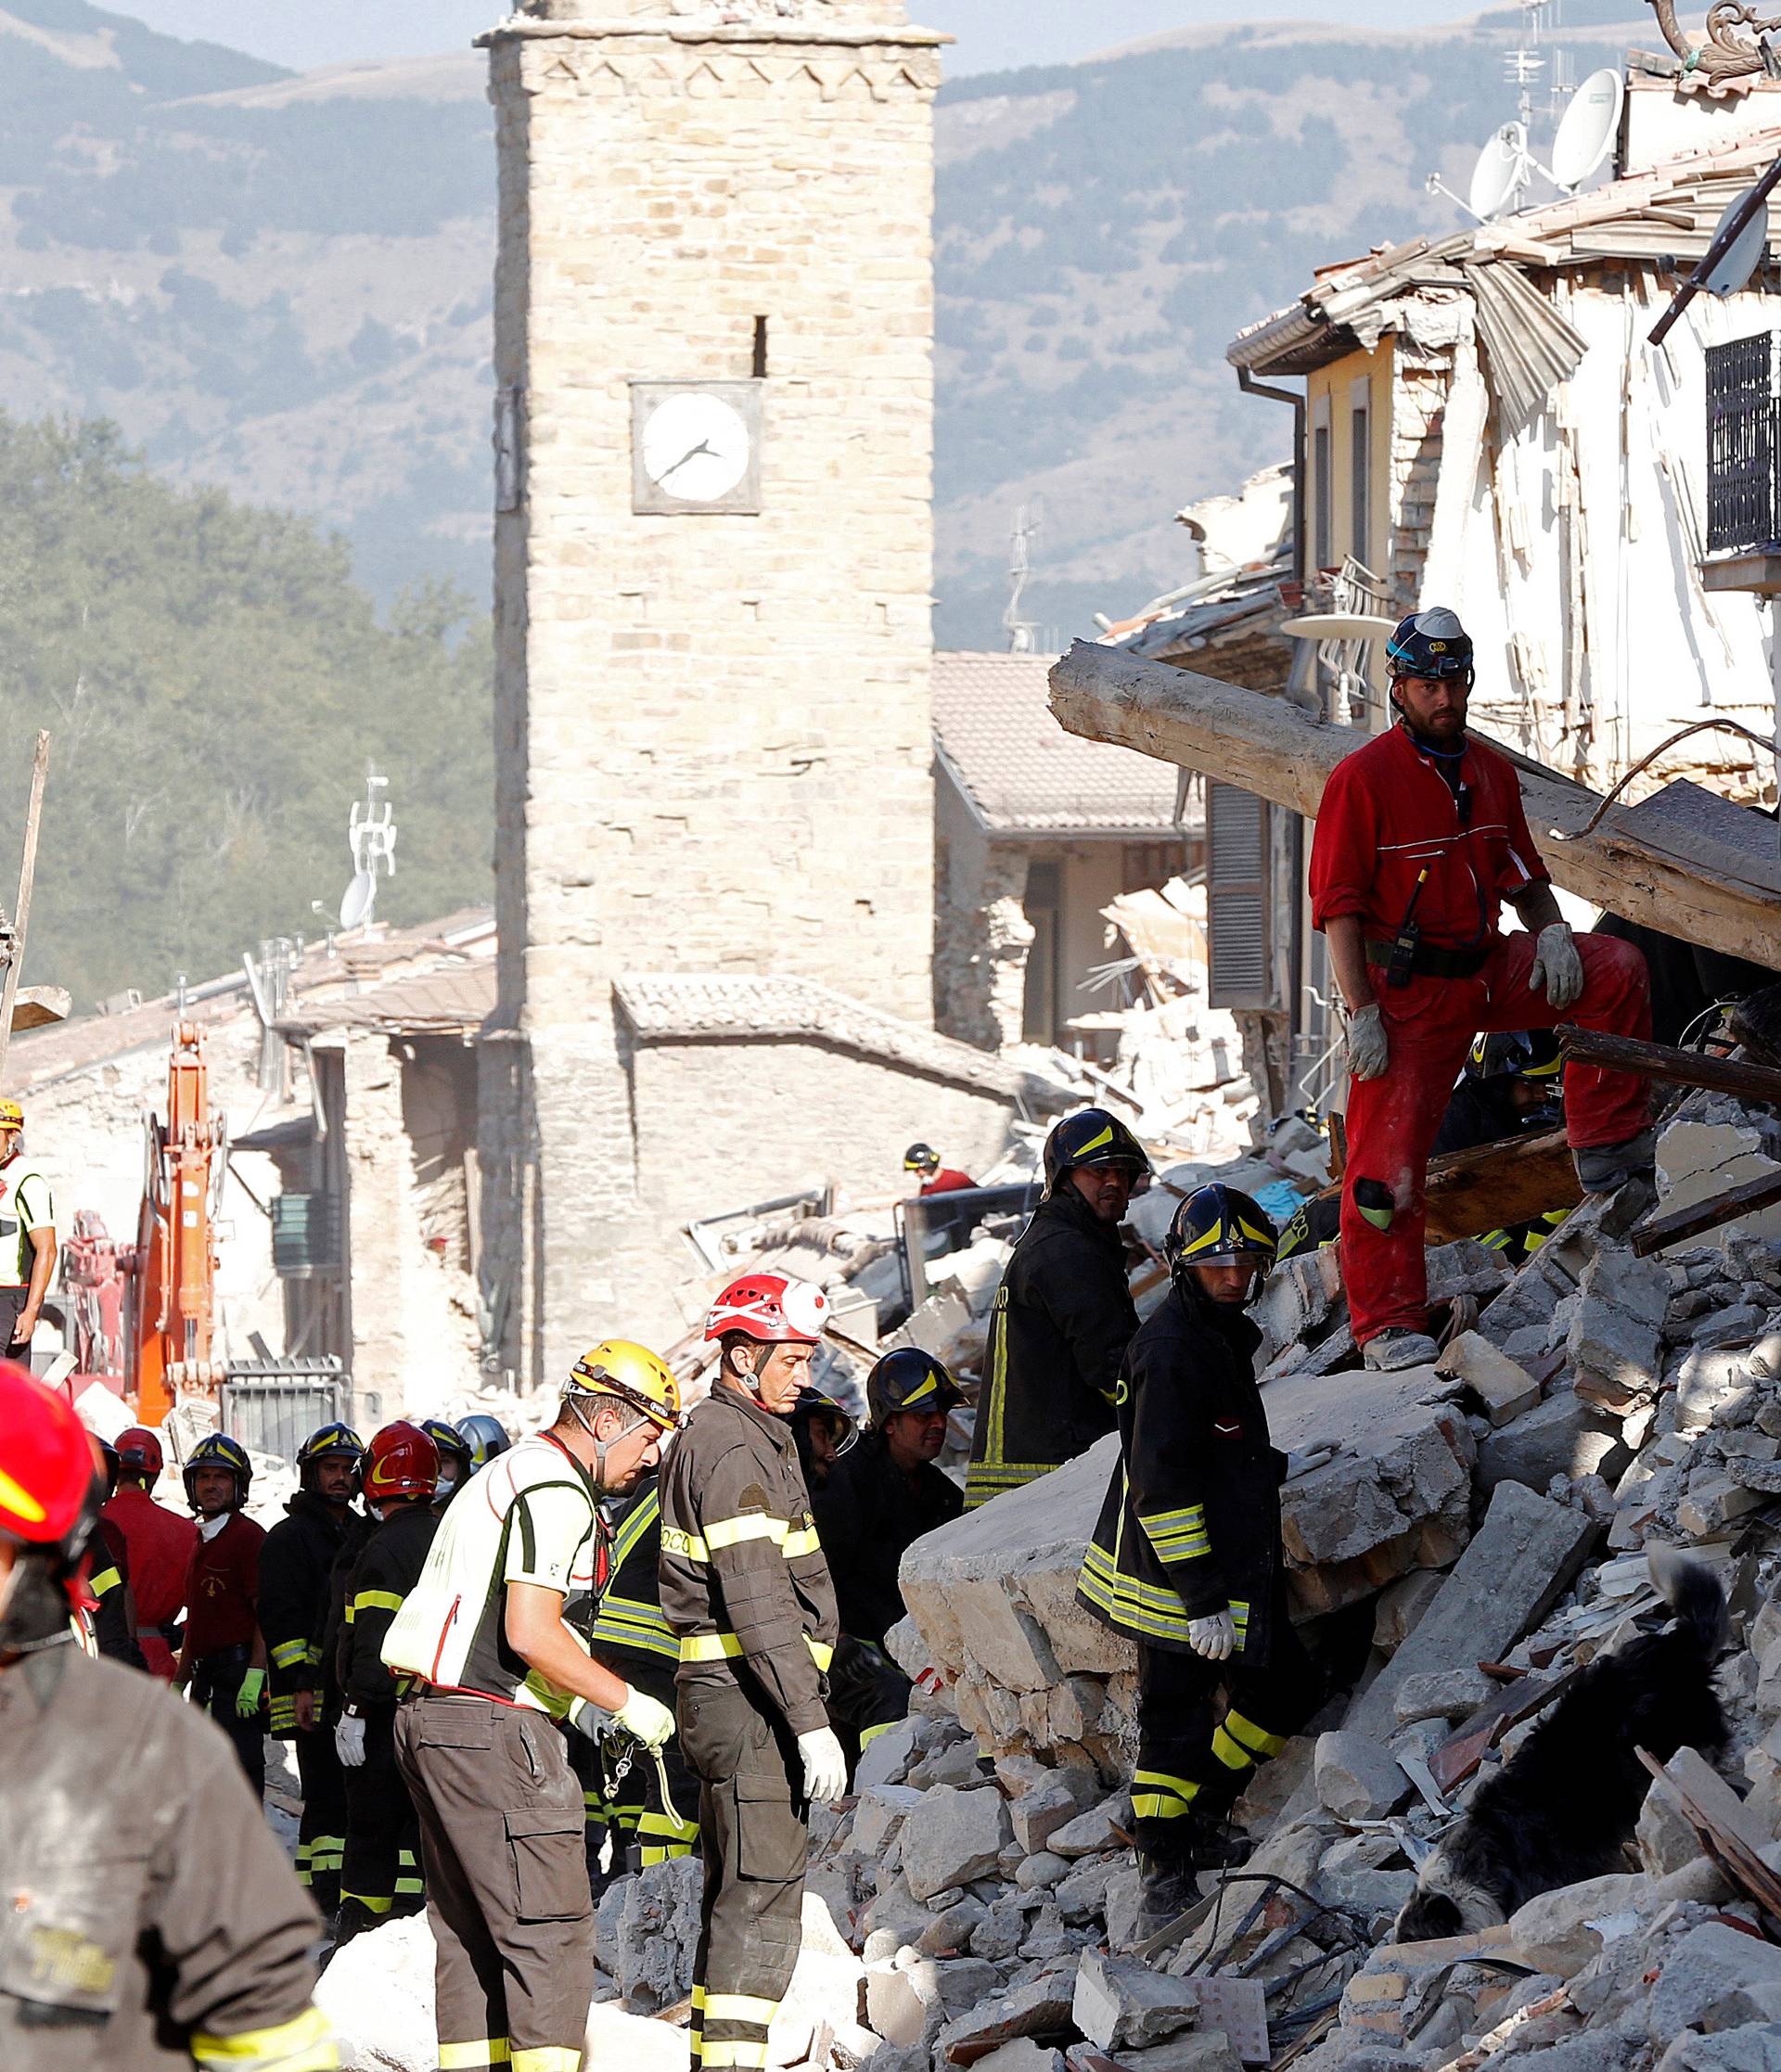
1744, 445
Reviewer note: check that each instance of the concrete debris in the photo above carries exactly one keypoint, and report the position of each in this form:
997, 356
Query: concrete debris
1356, 1779
951, 1836
1121, 2005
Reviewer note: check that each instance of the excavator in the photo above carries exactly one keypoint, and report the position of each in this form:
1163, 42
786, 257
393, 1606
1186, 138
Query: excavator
156, 1338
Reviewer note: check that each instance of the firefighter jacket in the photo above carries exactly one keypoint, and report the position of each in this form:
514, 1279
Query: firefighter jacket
1389, 816
387, 1567
326, 1644
1060, 1323
744, 1582
1191, 1522
626, 1624
151, 1919
294, 1565
869, 1513
114, 1614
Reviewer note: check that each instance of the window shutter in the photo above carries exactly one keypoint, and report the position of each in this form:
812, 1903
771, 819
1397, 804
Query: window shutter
1237, 897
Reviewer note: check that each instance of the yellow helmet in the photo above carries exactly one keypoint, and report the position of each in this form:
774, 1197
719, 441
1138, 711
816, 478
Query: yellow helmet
12, 1116
633, 1374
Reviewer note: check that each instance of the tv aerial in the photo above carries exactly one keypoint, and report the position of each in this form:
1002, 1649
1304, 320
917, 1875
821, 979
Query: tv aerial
1506, 165
371, 837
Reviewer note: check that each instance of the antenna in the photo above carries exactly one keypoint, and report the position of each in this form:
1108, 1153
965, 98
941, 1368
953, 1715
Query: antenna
1744, 253
1022, 632
371, 837
1587, 129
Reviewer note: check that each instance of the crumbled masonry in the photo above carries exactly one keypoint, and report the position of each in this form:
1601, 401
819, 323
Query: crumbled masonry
975, 1902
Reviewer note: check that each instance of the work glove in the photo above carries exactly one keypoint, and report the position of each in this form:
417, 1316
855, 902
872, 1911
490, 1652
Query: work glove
1367, 1049
825, 1766
349, 1740
247, 1700
1312, 1457
1557, 965
646, 1717
1214, 1637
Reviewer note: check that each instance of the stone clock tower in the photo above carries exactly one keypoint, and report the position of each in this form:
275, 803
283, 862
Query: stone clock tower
713, 362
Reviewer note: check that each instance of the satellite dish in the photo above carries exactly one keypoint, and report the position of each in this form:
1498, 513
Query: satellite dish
358, 900
1500, 173
1587, 130
1736, 264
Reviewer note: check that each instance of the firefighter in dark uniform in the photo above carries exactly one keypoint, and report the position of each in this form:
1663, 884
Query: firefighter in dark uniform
457, 1460
884, 1492
380, 1878
1513, 1086
747, 1591
114, 1611
1063, 1314
648, 1811
151, 1919
1187, 1555
294, 1568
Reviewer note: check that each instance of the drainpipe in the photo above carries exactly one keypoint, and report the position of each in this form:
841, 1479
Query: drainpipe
1251, 387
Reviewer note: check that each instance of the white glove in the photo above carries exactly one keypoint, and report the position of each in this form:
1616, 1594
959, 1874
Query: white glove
1557, 965
1367, 1049
825, 1766
349, 1740
1312, 1457
1214, 1637
646, 1717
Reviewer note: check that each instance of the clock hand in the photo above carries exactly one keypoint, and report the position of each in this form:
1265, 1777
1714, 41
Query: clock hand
704, 446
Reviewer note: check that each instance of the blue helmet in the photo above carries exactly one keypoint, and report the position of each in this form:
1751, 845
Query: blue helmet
1430, 643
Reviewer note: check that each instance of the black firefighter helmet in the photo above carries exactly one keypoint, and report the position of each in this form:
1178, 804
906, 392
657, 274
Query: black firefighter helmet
1220, 1226
909, 1380
1091, 1137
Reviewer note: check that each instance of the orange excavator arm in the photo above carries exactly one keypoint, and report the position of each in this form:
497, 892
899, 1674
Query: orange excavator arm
173, 1298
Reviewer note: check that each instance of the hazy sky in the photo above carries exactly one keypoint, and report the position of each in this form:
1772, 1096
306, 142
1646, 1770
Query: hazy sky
991, 33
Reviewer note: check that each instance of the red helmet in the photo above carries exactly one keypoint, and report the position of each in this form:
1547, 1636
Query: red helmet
773, 1309
139, 1450
48, 1487
400, 1460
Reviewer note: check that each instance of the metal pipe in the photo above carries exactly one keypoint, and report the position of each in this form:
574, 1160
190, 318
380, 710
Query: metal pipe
1251, 387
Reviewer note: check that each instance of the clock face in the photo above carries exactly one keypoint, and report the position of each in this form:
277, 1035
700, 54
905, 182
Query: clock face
695, 447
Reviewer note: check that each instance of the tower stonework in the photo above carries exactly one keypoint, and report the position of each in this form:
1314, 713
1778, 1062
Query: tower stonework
714, 553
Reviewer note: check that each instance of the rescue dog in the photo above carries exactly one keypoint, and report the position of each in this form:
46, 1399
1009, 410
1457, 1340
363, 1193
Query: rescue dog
1564, 1806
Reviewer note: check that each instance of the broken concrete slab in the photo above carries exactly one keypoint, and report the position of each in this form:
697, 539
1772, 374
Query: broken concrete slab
1356, 1778
1566, 1435
1665, 1840
1521, 1561
1038, 1814
1712, 1143
1617, 1328
1503, 1387
1121, 2005
1039, 2008
1090, 1833
951, 1837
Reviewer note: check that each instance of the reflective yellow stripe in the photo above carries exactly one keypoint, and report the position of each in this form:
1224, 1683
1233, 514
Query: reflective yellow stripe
370, 1905
719, 1647
288, 1653
647, 1512
105, 1582
552, 2057
752, 1524
739, 2007
1258, 1739
733, 2053
803, 1542
305, 2044
914, 1395
1169, 1798
377, 1600
1232, 1754
1195, 1515
473, 2057
871, 1734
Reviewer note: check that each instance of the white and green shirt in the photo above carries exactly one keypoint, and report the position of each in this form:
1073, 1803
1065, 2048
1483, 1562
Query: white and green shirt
25, 1206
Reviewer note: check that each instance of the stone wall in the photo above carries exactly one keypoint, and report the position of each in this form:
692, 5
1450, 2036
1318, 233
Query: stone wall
982, 933
713, 732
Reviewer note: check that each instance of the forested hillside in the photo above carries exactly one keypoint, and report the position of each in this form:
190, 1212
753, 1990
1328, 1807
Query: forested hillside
214, 682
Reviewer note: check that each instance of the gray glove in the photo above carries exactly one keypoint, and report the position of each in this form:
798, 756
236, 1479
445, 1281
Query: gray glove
825, 1766
1214, 1637
1557, 965
1312, 1457
1367, 1049
349, 1740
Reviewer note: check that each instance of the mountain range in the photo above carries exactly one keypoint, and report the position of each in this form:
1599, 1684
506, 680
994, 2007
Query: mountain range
279, 283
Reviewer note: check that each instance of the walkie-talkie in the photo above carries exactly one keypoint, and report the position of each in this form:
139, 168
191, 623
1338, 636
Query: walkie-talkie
1401, 964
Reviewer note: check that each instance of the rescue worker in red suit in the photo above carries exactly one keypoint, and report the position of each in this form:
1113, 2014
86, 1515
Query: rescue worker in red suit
1420, 837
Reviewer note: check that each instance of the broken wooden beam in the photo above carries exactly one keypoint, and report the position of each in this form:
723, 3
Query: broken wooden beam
1742, 1200
1700, 891
1663, 1061
1493, 1187
37, 1006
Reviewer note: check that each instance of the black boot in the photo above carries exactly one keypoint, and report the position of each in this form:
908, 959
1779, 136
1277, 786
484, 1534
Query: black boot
1169, 1885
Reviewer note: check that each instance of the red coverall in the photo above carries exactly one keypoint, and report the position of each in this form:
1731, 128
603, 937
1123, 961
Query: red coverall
1386, 814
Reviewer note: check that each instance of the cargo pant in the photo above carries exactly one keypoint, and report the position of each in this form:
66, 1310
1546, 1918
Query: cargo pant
1392, 1119
321, 1836
753, 1826
1192, 1762
380, 1875
506, 1882
216, 1682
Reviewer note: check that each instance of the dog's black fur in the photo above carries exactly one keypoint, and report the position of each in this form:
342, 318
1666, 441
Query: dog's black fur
1566, 1804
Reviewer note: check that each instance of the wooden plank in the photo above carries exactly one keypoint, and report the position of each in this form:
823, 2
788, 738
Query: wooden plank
37, 1006
27, 878
1270, 747
1743, 1200
1663, 1061
1493, 1185
1463, 1749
